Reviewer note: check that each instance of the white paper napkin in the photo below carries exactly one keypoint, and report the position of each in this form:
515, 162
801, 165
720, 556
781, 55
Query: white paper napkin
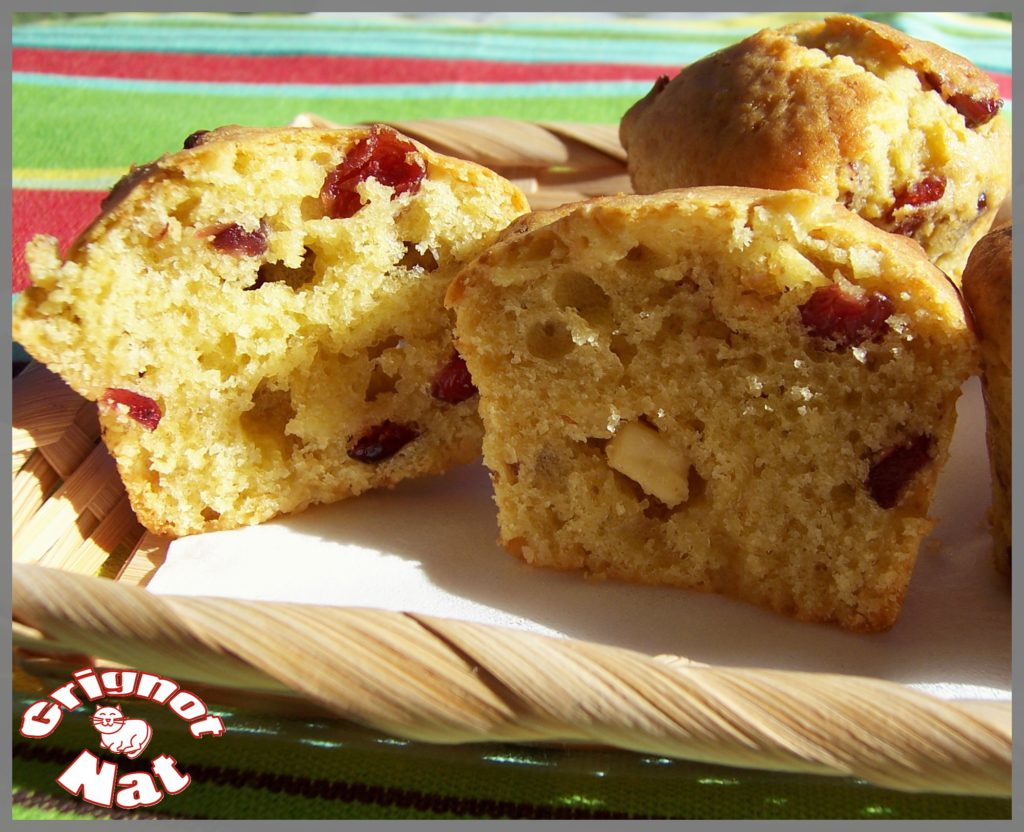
429, 546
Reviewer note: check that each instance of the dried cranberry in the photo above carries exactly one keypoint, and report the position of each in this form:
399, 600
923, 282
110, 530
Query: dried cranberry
895, 468
233, 239
833, 314
976, 111
908, 225
126, 184
141, 408
453, 384
982, 201
382, 155
930, 189
194, 139
933, 81
382, 441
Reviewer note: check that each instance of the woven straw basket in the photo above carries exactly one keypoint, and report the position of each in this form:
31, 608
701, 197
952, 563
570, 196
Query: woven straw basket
81, 560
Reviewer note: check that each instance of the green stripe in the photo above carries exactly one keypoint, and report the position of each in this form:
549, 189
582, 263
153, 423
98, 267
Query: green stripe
118, 129
250, 774
28, 813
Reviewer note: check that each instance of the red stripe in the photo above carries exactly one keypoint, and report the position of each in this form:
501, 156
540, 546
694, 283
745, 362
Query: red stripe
1005, 83
63, 214
333, 69
315, 69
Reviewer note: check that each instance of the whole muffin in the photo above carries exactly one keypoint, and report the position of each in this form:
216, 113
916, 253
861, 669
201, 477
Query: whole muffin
260, 318
988, 289
903, 132
730, 390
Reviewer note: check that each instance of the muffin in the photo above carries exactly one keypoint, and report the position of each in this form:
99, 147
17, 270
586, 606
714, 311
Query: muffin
260, 318
899, 130
730, 390
989, 293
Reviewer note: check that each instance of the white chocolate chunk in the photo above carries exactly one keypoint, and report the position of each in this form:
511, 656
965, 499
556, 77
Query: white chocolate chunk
639, 452
794, 270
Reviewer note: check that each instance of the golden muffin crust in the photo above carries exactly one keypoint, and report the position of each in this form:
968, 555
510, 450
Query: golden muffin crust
988, 289
725, 389
260, 318
903, 132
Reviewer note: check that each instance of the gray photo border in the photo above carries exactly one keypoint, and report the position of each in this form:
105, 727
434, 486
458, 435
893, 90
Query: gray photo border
474, 9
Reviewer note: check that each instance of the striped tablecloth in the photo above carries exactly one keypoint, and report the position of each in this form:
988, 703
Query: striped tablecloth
93, 95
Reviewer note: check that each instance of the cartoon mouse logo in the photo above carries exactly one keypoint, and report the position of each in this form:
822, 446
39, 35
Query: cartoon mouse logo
119, 734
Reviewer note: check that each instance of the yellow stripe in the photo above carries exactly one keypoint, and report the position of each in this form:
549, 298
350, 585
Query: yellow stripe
63, 174
976, 22
757, 21
713, 26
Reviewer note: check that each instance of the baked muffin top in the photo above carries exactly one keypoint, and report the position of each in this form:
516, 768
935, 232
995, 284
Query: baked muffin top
988, 290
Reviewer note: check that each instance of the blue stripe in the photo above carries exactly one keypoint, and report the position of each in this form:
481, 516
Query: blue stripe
481, 46
394, 92
544, 25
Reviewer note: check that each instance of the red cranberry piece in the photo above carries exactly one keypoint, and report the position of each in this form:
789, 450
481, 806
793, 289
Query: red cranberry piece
382, 441
126, 184
930, 189
832, 314
931, 80
382, 155
982, 201
233, 239
895, 468
453, 383
976, 111
194, 139
908, 225
141, 408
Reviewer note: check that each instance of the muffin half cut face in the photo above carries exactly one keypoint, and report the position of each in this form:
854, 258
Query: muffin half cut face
261, 319
723, 389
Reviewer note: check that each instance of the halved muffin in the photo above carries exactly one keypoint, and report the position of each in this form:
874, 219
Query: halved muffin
731, 390
260, 318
